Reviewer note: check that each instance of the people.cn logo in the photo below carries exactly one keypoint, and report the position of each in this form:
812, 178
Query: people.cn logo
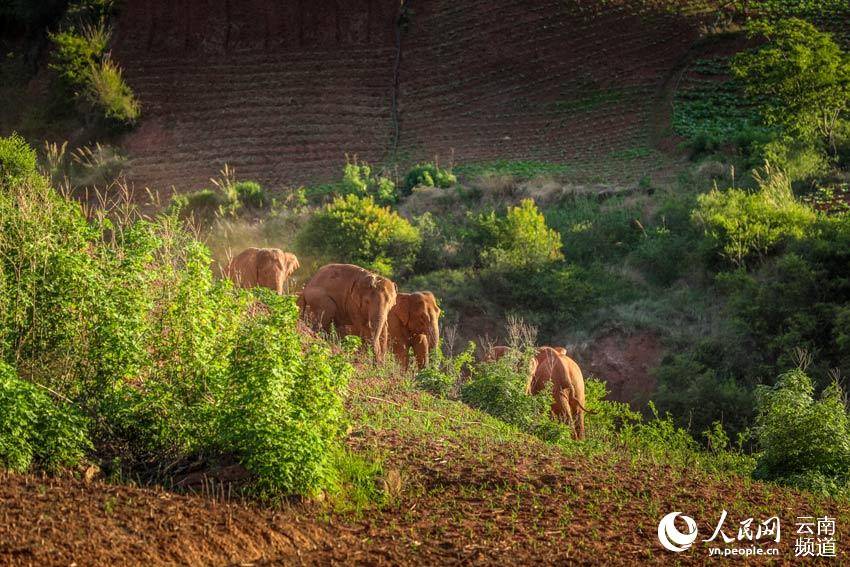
671, 538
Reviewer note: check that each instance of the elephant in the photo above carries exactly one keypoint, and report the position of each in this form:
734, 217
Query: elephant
351, 299
263, 267
567, 386
414, 323
551, 364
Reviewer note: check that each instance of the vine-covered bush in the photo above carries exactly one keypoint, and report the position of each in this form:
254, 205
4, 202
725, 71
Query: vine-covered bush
359, 179
357, 230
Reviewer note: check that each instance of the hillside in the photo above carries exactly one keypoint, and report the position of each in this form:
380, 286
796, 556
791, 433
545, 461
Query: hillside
462, 488
281, 93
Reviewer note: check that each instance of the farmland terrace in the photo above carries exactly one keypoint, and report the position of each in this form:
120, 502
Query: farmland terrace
282, 90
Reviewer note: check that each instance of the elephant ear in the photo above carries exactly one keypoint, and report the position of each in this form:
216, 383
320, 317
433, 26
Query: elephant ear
289, 261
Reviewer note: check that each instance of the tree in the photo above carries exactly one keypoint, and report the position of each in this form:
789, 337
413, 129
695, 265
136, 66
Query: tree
800, 75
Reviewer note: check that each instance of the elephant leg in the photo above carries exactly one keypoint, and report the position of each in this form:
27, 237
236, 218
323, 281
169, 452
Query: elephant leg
401, 354
321, 312
420, 349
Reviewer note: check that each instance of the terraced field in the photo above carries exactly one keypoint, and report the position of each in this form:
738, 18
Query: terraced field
281, 92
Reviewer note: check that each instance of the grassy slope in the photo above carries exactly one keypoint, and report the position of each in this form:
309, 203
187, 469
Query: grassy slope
459, 486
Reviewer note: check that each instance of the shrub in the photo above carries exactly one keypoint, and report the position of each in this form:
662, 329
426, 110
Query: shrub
521, 239
357, 230
429, 175
804, 442
358, 179
283, 409
742, 226
76, 53
17, 161
800, 75
444, 373
107, 91
499, 388
251, 194
35, 429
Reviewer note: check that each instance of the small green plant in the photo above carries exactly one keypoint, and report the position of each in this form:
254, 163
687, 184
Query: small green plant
358, 179
428, 175
251, 194
742, 226
521, 239
358, 230
18, 161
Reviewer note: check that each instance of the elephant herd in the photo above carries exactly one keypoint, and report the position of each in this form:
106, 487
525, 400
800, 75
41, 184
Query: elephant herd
355, 301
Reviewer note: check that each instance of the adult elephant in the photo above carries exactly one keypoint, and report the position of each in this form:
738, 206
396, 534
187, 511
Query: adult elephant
413, 323
263, 267
564, 376
348, 296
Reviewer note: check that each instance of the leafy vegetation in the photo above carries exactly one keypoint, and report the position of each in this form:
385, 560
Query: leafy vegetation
428, 175
804, 440
83, 63
357, 230
115, 335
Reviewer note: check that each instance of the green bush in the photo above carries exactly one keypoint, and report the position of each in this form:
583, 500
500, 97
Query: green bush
444, 373
75, 54
18, 161
358, 179
428, 175
742, 227
804, 441
283, 411
520, 239
251, 194
499, 388
36, 429
357, 230
107, 91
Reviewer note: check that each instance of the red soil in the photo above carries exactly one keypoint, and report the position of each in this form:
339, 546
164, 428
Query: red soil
282, 90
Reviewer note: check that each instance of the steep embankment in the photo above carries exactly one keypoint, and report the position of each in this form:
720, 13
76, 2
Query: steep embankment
282, 90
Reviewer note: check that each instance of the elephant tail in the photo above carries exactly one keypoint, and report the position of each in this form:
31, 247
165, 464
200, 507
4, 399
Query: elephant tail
584, 409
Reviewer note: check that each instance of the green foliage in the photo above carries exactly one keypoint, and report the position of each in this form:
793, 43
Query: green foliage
499, 388
76, 53
356, 230
698, 395
17, 161
35, 429
107, 91
804, 441
520, 239
126, 320
358, 179
81, 58
592, 231
742, 227
801, 76
443, 373
428, 175
251, 194
283, 408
